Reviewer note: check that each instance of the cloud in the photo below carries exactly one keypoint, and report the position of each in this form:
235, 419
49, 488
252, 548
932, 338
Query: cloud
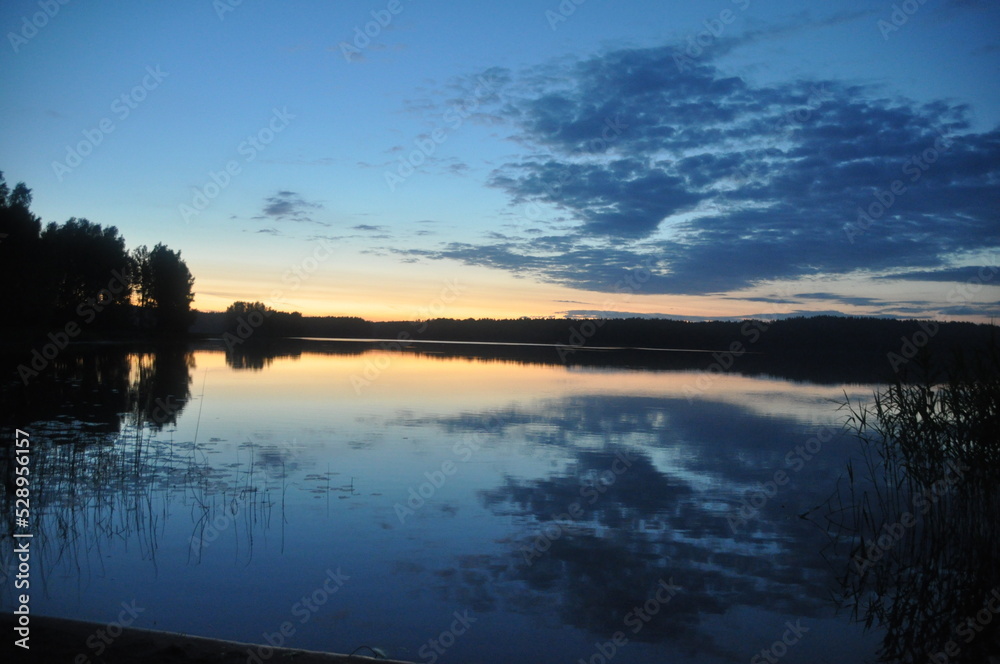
706, 183
989, 309
768, 300
986, 49
290, 206
801, 23
627, 197
858, 301
975, 5
458, 167
599, 313
369, 228
328, 238
319, 161
611, 314
983, 274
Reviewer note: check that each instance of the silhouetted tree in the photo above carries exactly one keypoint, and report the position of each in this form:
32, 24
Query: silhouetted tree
242, 309
81, 273
89, 268
23, 300
255, 320
164, 285
141, 277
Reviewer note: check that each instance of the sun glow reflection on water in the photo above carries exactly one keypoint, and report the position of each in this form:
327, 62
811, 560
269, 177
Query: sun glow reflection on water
425, 478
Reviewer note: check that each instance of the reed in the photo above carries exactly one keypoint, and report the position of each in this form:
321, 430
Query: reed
916, 517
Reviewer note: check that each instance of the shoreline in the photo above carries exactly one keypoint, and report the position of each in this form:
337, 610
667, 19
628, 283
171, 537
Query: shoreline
66, 640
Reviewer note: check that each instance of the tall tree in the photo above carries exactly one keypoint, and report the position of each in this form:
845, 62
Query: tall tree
24, 301
164, 286
89, 267
141, 277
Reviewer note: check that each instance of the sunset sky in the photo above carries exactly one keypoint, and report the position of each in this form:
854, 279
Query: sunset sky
685, 159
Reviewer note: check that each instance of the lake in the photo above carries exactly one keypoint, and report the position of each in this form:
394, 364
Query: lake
443, 503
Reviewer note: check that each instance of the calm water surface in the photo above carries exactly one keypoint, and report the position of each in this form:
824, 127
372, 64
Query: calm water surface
549, 507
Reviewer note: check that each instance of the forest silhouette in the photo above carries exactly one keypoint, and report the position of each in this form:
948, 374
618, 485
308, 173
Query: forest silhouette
78, 280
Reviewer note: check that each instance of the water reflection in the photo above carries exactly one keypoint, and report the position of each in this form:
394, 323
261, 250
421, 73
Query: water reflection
586, 488
257, 355
600, 542
239, 498
159, 386
814, 367
104, 469
916, 519
643, 493
96, 391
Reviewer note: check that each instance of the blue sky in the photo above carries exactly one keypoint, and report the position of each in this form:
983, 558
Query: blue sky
687, 159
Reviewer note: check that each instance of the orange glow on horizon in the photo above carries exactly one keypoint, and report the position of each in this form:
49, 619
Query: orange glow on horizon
420, 292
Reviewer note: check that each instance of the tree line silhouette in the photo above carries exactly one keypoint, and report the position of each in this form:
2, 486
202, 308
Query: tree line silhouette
814, 341
80, 277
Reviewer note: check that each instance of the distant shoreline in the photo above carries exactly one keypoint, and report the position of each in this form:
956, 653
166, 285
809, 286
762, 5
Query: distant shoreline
824, 349
495, 343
